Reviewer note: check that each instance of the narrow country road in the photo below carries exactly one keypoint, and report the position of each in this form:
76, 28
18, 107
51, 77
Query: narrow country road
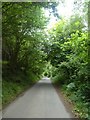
41, 101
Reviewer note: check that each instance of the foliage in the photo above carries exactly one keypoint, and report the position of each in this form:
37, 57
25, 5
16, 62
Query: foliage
20, 42
28, 52
68, 54
12, 89
23, 57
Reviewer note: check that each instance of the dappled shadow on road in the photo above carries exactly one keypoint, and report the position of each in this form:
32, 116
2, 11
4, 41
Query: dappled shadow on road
45, 82
47, 85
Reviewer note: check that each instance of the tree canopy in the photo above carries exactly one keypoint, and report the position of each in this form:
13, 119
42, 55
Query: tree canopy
30, 50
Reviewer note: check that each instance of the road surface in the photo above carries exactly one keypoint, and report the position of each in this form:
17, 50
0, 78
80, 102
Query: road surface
40, 101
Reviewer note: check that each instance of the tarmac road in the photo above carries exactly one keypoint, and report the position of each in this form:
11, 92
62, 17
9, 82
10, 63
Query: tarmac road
40, 101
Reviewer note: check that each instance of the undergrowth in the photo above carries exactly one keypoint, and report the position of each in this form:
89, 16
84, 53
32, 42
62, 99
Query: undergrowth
12, 86
81, 106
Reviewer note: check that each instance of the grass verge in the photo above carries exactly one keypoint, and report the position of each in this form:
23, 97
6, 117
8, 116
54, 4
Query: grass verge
14, 87
80, 107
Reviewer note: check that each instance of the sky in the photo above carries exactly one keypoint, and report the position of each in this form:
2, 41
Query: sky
64, 10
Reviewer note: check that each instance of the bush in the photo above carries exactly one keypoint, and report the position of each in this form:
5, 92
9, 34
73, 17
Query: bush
14, 85
71, 86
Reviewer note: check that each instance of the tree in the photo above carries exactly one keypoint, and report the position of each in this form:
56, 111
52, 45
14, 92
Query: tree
23, 33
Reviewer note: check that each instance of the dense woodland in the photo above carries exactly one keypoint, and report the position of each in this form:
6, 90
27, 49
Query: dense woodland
23, 55
29, 52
